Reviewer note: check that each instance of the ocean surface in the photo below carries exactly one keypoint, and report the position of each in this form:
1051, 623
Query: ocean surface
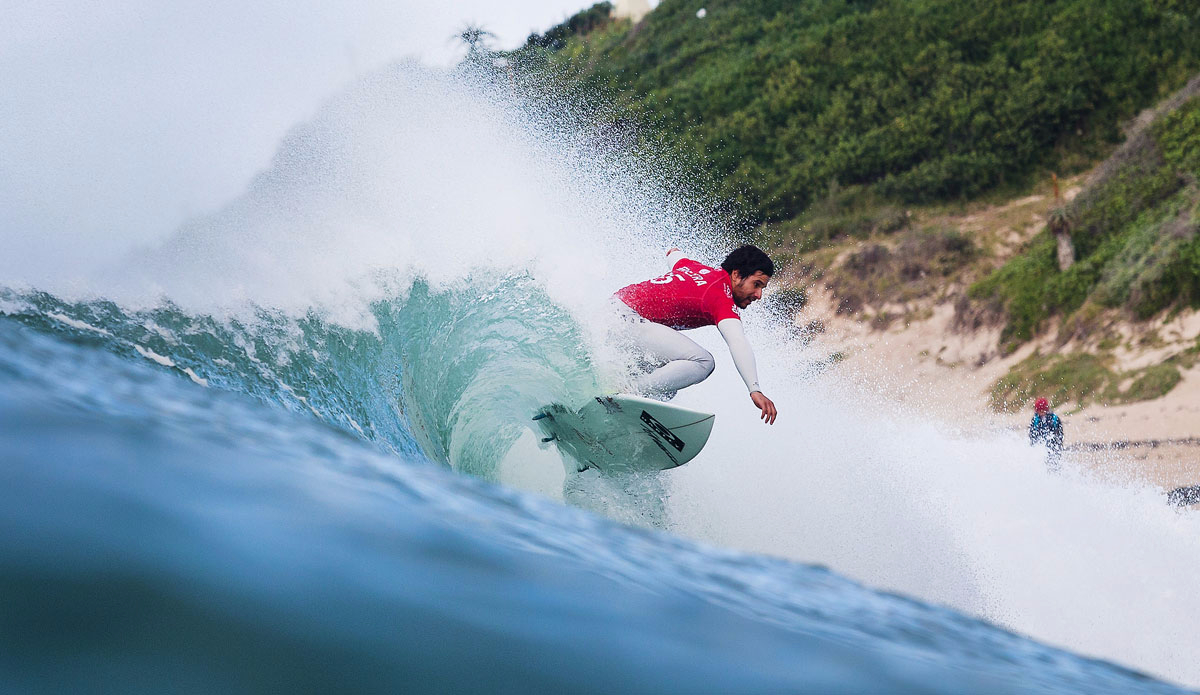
289, 449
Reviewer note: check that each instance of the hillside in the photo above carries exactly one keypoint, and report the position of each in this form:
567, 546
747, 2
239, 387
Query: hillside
914, 101
1103, 330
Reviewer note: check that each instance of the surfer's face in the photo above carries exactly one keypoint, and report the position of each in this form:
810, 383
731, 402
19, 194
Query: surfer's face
747, 290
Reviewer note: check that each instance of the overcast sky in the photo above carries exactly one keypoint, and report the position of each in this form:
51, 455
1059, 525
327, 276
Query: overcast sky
122, 119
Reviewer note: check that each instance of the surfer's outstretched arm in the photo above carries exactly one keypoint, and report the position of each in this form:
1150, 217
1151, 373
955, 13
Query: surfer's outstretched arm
743, 359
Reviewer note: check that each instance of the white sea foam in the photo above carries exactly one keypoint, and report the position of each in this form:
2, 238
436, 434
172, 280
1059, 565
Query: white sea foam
971, 520
73, 323
195, 377
154, 356
413, 174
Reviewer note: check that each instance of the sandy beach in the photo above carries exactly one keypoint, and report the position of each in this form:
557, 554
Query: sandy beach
951, 374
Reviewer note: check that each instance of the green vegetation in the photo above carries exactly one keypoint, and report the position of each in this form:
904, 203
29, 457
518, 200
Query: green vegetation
1076, 377
840, 214
583, 22
1151, 383
912, 100
1080, 378
1134, 231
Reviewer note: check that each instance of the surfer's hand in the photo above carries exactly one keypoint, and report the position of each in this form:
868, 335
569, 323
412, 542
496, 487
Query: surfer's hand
766, 406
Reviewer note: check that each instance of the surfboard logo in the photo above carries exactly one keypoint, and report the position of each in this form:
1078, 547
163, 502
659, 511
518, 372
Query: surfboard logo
659, 429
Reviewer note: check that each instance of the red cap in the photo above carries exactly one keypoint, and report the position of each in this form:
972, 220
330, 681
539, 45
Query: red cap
1041, 405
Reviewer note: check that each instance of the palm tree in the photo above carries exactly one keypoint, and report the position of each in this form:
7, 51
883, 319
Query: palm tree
1059, 224
477, 39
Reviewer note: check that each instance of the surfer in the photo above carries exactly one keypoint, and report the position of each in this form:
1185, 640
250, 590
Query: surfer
692, 295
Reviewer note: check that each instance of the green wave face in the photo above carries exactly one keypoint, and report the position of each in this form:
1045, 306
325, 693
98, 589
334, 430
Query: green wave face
450, 376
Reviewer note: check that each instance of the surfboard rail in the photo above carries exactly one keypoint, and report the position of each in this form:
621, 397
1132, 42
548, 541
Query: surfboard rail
625, 433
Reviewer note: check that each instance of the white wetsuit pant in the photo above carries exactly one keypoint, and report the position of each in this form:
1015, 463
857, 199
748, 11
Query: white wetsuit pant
674, 360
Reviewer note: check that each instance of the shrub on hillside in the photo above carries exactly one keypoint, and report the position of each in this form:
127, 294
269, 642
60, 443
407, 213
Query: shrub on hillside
914, 268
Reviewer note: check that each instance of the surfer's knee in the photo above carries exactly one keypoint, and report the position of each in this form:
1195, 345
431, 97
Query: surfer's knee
706, 362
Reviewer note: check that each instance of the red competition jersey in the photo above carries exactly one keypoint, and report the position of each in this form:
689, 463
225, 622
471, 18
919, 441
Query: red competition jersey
690, 296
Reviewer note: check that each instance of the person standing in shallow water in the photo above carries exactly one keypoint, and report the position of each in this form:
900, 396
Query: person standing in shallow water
1046, 428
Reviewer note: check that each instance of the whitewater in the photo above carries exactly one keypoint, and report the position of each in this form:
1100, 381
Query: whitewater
290, 447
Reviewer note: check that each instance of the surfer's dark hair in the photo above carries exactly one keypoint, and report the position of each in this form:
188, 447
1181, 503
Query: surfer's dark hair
748, 260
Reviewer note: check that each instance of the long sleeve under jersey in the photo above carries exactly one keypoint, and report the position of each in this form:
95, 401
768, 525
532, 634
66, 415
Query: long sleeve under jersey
739, 350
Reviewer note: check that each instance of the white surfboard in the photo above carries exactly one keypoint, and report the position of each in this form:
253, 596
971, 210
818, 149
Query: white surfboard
624, 433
